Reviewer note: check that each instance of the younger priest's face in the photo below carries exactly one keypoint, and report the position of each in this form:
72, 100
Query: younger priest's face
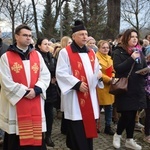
23, 38
80, 37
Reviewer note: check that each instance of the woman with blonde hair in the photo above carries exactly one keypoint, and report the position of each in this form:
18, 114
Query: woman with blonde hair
105, 99
66, 40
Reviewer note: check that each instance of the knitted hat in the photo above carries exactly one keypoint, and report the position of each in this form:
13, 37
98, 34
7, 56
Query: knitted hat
78, 25
90, 38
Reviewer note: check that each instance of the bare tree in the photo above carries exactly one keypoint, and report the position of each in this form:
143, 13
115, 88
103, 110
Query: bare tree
19, 11
25, 17
9, 10
35, 18
136, 13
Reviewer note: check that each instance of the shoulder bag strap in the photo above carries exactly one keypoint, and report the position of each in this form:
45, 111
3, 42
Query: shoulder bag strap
131, 70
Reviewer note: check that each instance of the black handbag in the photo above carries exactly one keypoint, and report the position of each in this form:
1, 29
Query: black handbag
120, 85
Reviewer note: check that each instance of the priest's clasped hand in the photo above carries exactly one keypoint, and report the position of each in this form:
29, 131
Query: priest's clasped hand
31, 94
83, 87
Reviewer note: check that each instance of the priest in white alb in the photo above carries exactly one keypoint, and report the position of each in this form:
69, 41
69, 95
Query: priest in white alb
24, 79
78, 73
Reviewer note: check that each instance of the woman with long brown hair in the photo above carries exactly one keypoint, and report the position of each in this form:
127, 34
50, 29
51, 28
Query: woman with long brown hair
128, 54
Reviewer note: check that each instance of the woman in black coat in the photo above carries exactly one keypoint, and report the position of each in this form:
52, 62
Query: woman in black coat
51, 92
128, 54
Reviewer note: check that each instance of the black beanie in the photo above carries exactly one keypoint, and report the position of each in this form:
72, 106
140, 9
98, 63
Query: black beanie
78, 25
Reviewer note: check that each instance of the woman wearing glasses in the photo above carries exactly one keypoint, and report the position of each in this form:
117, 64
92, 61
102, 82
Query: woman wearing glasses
105, 99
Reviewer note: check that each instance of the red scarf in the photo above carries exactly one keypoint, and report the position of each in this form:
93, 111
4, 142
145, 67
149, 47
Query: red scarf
84, 98
28, 111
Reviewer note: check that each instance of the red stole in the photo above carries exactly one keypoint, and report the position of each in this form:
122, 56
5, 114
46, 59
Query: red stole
84, 98
28, 111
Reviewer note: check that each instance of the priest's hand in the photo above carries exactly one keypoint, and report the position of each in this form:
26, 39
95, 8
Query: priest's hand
83, 87
31, 94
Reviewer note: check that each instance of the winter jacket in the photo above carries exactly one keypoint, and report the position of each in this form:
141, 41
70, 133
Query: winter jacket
52, 90
135, 97
104, 97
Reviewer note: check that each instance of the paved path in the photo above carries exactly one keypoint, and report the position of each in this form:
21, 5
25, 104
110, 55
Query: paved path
103, 142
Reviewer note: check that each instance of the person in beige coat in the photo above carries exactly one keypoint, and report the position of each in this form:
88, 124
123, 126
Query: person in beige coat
105, 99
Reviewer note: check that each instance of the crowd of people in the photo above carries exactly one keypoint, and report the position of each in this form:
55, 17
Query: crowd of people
73, 76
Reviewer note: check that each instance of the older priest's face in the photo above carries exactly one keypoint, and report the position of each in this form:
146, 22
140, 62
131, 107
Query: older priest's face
80, 37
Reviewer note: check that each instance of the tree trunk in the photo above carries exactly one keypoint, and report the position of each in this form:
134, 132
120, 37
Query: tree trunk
35, 19
113, 19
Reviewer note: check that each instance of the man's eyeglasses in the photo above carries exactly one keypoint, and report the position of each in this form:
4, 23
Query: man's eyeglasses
26, 35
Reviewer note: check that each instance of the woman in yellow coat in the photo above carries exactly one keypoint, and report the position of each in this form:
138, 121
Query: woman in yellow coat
105, 99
